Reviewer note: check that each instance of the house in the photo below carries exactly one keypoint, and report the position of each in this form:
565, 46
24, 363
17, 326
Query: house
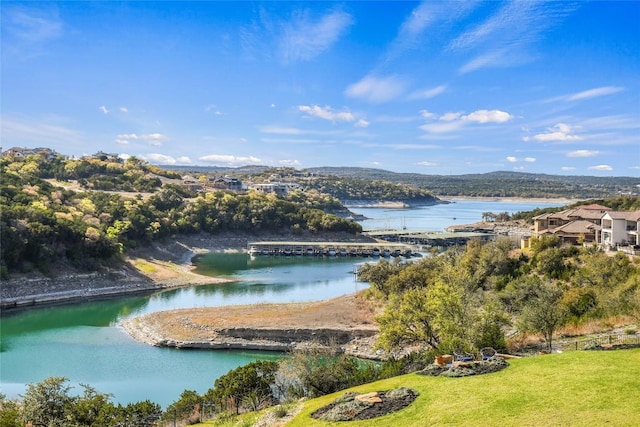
620, 229
577, 225
18, 153
225, 183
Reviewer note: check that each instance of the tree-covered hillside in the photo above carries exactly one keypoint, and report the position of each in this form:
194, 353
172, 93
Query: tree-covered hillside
44, 223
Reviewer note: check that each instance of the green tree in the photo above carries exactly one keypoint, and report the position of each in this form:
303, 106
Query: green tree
47, 403
9, 412
249, 386
544, 314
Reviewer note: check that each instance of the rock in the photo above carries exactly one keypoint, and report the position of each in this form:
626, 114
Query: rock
372, 397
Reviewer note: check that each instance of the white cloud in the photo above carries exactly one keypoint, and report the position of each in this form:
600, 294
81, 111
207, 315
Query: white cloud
506, 37
154, 139
32, 25
442, 127
280, 130
512, 159
327, 113
529, 159
160, 159
103, 109
36, 132
303, 38
567, 168
427, 114
593, 93
448, 117
583, 153
454, 121
601, 168
230, 160
377, 89
559, 132
183, 160
488, 116
362, 123
428, 93
427, 164
289, 163
124, 109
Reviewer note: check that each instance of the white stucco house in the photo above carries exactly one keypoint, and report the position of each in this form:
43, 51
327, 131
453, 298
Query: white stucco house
620, 229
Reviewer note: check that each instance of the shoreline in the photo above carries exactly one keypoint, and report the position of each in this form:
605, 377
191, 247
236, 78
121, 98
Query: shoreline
561, 200
346, 321
159, 266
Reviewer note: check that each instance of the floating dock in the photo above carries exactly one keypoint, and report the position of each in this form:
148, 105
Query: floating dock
363, 249
428, 238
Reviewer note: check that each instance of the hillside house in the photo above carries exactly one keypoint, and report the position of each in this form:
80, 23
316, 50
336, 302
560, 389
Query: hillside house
578, 225
18, 153
225, 183
620, 229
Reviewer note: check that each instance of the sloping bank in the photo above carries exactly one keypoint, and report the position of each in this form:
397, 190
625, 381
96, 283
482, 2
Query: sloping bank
346, 321
157, 266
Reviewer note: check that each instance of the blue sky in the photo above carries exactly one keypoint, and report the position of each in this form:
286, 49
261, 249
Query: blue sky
438, 87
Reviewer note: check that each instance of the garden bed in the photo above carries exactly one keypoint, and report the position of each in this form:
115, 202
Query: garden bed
364, 406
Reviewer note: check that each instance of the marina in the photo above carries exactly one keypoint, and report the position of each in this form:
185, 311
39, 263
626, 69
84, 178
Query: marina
330, 249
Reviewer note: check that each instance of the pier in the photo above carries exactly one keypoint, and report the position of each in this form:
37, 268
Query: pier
428, 238
363, 249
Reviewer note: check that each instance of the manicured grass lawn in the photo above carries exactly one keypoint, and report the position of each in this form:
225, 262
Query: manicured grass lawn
579, 388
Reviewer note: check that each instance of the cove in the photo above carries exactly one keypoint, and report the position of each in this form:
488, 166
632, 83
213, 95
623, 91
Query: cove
84, 343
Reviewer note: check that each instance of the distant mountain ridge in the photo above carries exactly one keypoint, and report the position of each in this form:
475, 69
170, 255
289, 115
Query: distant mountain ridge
491, 184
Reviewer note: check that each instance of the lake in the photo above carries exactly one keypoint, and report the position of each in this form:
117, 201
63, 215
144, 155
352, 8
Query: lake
84, 343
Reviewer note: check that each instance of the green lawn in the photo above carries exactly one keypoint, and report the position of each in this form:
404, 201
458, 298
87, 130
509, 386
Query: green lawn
579, 388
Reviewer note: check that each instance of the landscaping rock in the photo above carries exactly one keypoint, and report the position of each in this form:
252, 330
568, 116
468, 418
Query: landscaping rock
364, 406
466, 369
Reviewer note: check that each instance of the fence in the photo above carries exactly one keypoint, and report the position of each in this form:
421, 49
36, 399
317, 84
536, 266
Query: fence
603, 341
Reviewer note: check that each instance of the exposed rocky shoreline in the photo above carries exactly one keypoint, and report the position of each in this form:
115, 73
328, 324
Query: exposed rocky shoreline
347, 322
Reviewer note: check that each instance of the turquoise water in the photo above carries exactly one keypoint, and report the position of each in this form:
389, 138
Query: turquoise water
84, 343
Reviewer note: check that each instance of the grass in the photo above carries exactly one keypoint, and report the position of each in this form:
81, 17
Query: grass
579, 388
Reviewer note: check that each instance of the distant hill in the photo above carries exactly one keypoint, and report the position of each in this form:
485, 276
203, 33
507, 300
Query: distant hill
492, 184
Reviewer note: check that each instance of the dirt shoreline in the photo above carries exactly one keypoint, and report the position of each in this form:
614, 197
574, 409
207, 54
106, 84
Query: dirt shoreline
346, 321
161, 265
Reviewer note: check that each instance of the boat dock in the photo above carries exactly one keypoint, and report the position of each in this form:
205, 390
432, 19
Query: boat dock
428, 238
363, 249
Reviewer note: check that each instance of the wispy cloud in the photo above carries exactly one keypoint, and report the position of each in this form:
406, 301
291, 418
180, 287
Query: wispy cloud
583, 153
31, 24
427, 164
377, 89
104, 109
428, 93
602, 168
327, 113
453, 121
303, 37
512, 159
226, 159
157, 158
26, 132
427, 16
289, 163
587, 94
155, 139
561, 132
506, 38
